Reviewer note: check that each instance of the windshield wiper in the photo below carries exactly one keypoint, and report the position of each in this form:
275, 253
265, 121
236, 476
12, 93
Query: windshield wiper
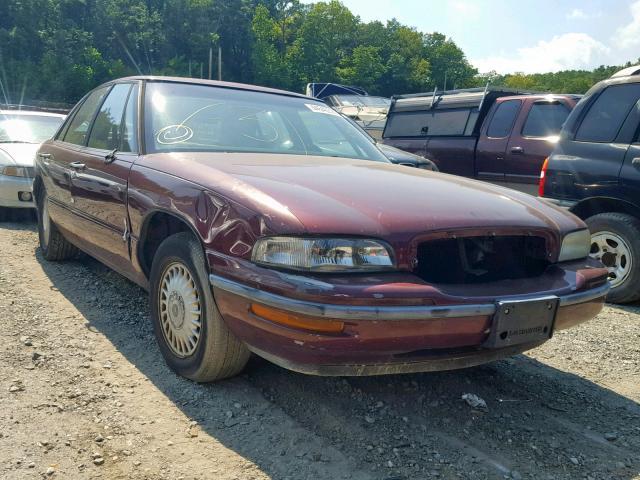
14, 141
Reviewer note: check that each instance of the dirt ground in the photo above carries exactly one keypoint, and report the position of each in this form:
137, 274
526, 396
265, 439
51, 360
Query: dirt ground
84, 393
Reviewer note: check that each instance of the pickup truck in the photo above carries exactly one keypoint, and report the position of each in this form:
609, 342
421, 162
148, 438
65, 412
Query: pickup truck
494, 134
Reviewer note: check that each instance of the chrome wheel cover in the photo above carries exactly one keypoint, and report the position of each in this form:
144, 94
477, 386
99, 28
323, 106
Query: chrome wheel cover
612, 250
46, 222
179, 310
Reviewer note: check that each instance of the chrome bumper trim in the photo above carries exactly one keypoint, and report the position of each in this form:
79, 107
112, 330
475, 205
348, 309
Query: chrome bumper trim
364, 312
585, 296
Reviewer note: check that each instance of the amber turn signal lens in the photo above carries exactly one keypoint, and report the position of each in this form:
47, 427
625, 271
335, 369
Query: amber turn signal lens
297, 321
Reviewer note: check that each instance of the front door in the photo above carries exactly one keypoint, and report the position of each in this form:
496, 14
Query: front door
534, 135
100, 176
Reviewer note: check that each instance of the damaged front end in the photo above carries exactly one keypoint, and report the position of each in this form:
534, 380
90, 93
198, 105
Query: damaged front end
481, 259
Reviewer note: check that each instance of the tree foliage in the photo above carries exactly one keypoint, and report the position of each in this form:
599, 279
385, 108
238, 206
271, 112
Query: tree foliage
566, 81
57, 50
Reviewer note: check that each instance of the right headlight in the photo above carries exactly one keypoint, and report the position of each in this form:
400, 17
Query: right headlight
323, 254
575, 245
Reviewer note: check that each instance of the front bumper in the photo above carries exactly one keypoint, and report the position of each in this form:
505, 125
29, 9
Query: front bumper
10, 188
382, 339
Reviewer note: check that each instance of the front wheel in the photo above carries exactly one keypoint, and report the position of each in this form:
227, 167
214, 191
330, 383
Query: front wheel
194, 340
615, 241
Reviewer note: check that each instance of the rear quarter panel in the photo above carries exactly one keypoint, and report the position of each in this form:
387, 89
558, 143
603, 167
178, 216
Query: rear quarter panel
453, 155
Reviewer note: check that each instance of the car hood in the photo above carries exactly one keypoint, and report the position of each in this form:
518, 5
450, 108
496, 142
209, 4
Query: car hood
325, 195
21, 154
401, 156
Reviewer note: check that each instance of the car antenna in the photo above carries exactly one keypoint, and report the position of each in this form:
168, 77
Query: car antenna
433, 99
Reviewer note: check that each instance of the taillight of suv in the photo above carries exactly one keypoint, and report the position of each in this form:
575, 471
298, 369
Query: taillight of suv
543, 177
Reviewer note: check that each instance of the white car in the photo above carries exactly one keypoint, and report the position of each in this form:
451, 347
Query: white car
21, 133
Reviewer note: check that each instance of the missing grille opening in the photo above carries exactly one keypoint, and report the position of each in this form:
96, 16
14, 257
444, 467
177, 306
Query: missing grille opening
481, 259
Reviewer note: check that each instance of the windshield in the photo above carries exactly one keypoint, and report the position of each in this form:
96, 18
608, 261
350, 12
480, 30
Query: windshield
183, 117
16, 128
348, 100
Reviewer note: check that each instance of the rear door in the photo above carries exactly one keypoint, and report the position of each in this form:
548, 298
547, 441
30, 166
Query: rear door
494, 139
589, 161
59, 155
630, 171
99, 181
535, 134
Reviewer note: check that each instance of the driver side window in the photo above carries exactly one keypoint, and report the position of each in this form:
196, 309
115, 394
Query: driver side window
107, 131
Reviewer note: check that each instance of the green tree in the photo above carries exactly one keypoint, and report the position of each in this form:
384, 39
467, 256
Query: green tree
325, 37
448, 62
59, 49
270, 65
363, 67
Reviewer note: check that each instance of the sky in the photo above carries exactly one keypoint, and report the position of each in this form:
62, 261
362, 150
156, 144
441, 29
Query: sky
527, 36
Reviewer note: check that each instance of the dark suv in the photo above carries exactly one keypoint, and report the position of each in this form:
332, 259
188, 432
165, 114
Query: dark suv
595, 172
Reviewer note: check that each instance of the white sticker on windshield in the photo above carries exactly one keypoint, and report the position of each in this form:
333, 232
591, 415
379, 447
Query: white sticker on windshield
314, 107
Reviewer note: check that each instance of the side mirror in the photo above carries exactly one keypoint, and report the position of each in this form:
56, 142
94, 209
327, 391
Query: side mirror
111, 156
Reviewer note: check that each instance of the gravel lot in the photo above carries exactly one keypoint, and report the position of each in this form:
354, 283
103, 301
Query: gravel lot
84, 393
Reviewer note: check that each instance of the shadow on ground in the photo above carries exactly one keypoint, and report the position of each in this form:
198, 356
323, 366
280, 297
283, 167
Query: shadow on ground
541, 422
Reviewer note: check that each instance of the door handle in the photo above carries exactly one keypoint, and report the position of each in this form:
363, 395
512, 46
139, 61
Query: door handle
77, 165
45, 157
517, 150
636, 162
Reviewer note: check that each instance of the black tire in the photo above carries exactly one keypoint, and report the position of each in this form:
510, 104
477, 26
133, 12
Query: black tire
216, 353
627, 228
53, 245
4, 213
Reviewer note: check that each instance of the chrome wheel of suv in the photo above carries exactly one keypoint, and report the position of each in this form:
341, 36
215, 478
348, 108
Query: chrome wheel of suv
615, 241
612, 250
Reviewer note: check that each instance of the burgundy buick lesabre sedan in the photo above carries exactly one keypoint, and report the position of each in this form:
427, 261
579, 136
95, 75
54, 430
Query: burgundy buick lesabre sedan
262, 221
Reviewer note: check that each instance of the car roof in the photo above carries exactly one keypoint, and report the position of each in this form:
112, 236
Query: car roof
470, 97
32, 113
212, 83
541, 96
625, 72
616, 81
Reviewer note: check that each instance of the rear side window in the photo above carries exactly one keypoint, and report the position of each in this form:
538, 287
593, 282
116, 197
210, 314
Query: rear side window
503, 118
433, 123
606, 115
79, 126
545, 119
106, 133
